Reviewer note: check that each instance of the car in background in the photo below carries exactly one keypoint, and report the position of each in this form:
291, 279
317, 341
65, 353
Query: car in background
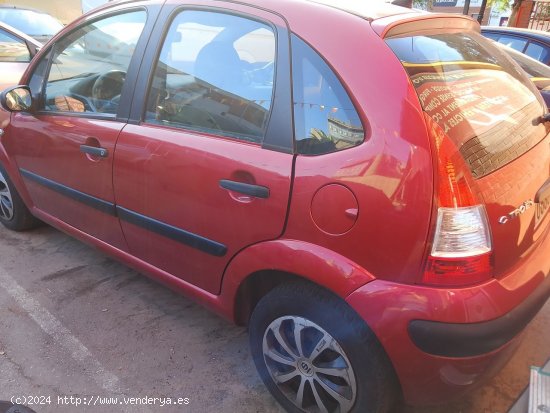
538, 72
378, 216
39, 25
533, 43
16, 51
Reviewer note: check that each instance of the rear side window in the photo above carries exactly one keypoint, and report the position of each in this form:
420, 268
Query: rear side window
532, 67
493, 36
513, 42
536, 51
324, 117
478, 97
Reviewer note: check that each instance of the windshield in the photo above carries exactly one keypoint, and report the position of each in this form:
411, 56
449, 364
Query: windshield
35, 24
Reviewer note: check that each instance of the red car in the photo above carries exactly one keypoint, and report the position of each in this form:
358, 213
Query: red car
365, 186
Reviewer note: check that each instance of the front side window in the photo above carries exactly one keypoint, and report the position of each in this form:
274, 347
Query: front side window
214, 75
89, 66
325, 119
13, 49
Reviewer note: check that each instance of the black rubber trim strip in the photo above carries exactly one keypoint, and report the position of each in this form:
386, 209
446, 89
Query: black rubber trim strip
256, 191
279, 135
89, 200
467, 340
94, 151
188, 238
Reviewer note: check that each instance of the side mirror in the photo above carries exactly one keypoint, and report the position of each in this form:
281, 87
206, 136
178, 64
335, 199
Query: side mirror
16, 99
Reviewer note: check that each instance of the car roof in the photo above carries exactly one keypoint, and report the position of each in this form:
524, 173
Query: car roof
20, 34
383, 15
534, 34
370, 10
367, 9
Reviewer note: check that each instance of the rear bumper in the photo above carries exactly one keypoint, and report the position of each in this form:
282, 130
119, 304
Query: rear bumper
469, 340
442, 342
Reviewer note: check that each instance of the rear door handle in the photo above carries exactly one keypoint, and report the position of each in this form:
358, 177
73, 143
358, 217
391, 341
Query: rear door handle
255, 191
94, 151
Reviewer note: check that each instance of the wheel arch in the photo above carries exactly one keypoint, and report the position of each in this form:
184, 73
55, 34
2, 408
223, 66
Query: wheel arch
258, 269
253, 288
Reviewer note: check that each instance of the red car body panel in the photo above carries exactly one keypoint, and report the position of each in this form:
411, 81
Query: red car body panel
392, 170
332, 271
49, 146
505, 191
11, 74
397, 305
358, 222
186, 194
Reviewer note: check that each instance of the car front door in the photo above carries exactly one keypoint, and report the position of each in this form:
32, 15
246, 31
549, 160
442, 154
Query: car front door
204, 170
64, 148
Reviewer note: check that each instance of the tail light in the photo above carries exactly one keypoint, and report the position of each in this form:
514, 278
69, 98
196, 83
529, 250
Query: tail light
461, 251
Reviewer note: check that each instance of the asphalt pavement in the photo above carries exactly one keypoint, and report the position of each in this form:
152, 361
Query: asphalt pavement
80, 332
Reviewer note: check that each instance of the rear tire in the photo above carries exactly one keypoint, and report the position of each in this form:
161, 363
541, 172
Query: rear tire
315, 354
13, 212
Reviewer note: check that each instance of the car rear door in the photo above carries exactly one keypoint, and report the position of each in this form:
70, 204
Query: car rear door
204, 168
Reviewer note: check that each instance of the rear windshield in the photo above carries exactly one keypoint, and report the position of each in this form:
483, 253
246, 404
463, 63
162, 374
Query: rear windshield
474, 92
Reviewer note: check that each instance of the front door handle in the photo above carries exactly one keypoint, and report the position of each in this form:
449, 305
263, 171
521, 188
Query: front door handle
94, 151
255, 191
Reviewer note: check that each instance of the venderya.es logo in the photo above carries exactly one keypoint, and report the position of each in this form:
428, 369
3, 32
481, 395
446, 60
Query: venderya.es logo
8, 407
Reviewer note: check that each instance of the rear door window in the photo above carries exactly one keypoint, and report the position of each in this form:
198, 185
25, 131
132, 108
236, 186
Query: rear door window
474, 92
215, 75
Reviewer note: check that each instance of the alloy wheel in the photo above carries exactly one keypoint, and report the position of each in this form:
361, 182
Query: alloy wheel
309, 366
6, 200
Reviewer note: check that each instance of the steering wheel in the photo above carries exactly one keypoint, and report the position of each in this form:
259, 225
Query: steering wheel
106, 90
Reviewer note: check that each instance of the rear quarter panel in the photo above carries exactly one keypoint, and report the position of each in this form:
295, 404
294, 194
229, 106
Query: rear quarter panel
390, 174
